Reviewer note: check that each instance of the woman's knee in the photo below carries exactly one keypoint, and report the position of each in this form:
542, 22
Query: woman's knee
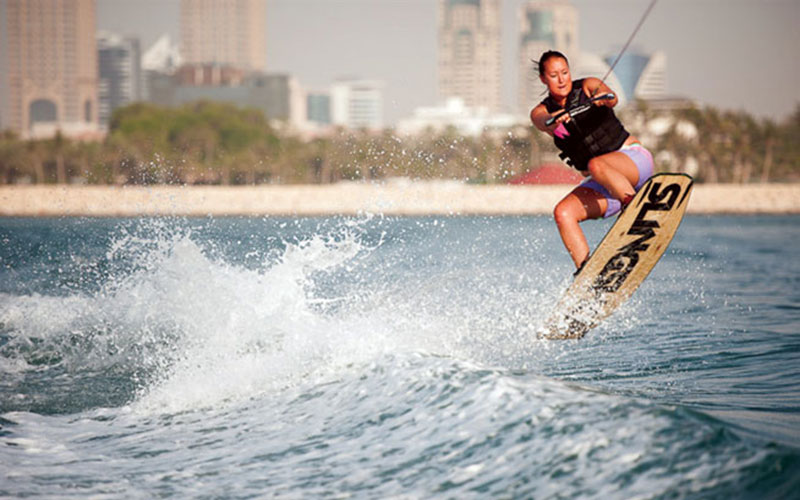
564, 213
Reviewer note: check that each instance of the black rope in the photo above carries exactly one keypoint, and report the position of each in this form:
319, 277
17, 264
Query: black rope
625, 47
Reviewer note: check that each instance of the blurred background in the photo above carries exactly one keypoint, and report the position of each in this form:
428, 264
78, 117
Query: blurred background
317, 91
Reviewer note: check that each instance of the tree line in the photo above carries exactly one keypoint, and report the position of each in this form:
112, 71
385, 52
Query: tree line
218, 143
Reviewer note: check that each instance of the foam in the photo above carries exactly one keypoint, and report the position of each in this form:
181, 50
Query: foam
193, 330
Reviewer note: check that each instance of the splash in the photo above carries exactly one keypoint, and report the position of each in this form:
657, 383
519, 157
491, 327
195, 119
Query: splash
180, 323
187, 324
248, 331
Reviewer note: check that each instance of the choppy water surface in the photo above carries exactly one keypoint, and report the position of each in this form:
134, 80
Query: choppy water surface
390, 357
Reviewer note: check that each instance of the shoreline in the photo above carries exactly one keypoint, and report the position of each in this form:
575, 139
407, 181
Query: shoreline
396, 197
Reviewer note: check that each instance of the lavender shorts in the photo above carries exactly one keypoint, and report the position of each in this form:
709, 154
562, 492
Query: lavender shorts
644, 163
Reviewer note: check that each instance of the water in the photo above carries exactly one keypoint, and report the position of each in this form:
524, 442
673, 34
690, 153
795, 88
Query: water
377, 357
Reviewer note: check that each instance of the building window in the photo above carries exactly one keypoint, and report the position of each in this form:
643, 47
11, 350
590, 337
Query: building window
43, 110
87, 111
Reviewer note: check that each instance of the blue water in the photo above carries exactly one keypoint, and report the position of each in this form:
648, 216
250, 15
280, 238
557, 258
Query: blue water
377, 357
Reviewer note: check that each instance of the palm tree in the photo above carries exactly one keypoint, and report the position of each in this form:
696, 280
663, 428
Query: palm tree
770, 135
36, 157
12, 152
57, 147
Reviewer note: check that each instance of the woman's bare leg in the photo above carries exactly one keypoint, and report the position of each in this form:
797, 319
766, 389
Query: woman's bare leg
579, 205
616, 172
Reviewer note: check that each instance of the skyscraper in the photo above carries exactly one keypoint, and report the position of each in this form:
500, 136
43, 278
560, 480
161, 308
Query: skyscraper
357, 104
642, 76
319, 108
224, 32
544, 25
49, 63
121, 80
469, 52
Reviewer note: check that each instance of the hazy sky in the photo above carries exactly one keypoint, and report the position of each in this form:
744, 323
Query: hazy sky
732, 54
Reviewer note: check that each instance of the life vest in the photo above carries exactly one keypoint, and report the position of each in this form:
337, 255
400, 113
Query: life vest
593, 133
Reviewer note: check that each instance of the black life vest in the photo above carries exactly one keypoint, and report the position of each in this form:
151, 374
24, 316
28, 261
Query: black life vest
593, 133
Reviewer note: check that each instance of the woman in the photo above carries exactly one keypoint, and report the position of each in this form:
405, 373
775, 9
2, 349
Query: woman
595, 143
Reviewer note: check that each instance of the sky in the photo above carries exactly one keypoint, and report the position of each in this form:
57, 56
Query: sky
730, 54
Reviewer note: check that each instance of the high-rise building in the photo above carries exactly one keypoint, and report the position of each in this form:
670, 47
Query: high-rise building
49, 67
319, 108
589, 64
544, 25
357, 104
121, 80
469, 52
642, 76
5, 106
224, 32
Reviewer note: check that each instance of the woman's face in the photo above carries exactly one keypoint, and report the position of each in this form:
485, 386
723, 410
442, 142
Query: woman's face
556, 77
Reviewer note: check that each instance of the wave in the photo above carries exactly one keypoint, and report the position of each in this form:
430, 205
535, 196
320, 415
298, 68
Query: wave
374, 357
409, 424
172, 323
170, 315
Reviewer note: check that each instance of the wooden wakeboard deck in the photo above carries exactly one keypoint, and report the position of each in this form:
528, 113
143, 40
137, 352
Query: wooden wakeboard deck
624, 258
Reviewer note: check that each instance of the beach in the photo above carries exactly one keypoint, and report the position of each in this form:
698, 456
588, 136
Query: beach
395, 197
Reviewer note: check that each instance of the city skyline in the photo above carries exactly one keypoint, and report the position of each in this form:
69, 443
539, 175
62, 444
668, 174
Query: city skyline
743, 60
722, 62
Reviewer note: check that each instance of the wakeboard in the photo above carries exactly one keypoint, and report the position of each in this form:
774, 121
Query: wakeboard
623, 259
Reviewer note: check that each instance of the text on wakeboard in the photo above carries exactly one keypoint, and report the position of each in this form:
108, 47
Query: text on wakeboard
619, 266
